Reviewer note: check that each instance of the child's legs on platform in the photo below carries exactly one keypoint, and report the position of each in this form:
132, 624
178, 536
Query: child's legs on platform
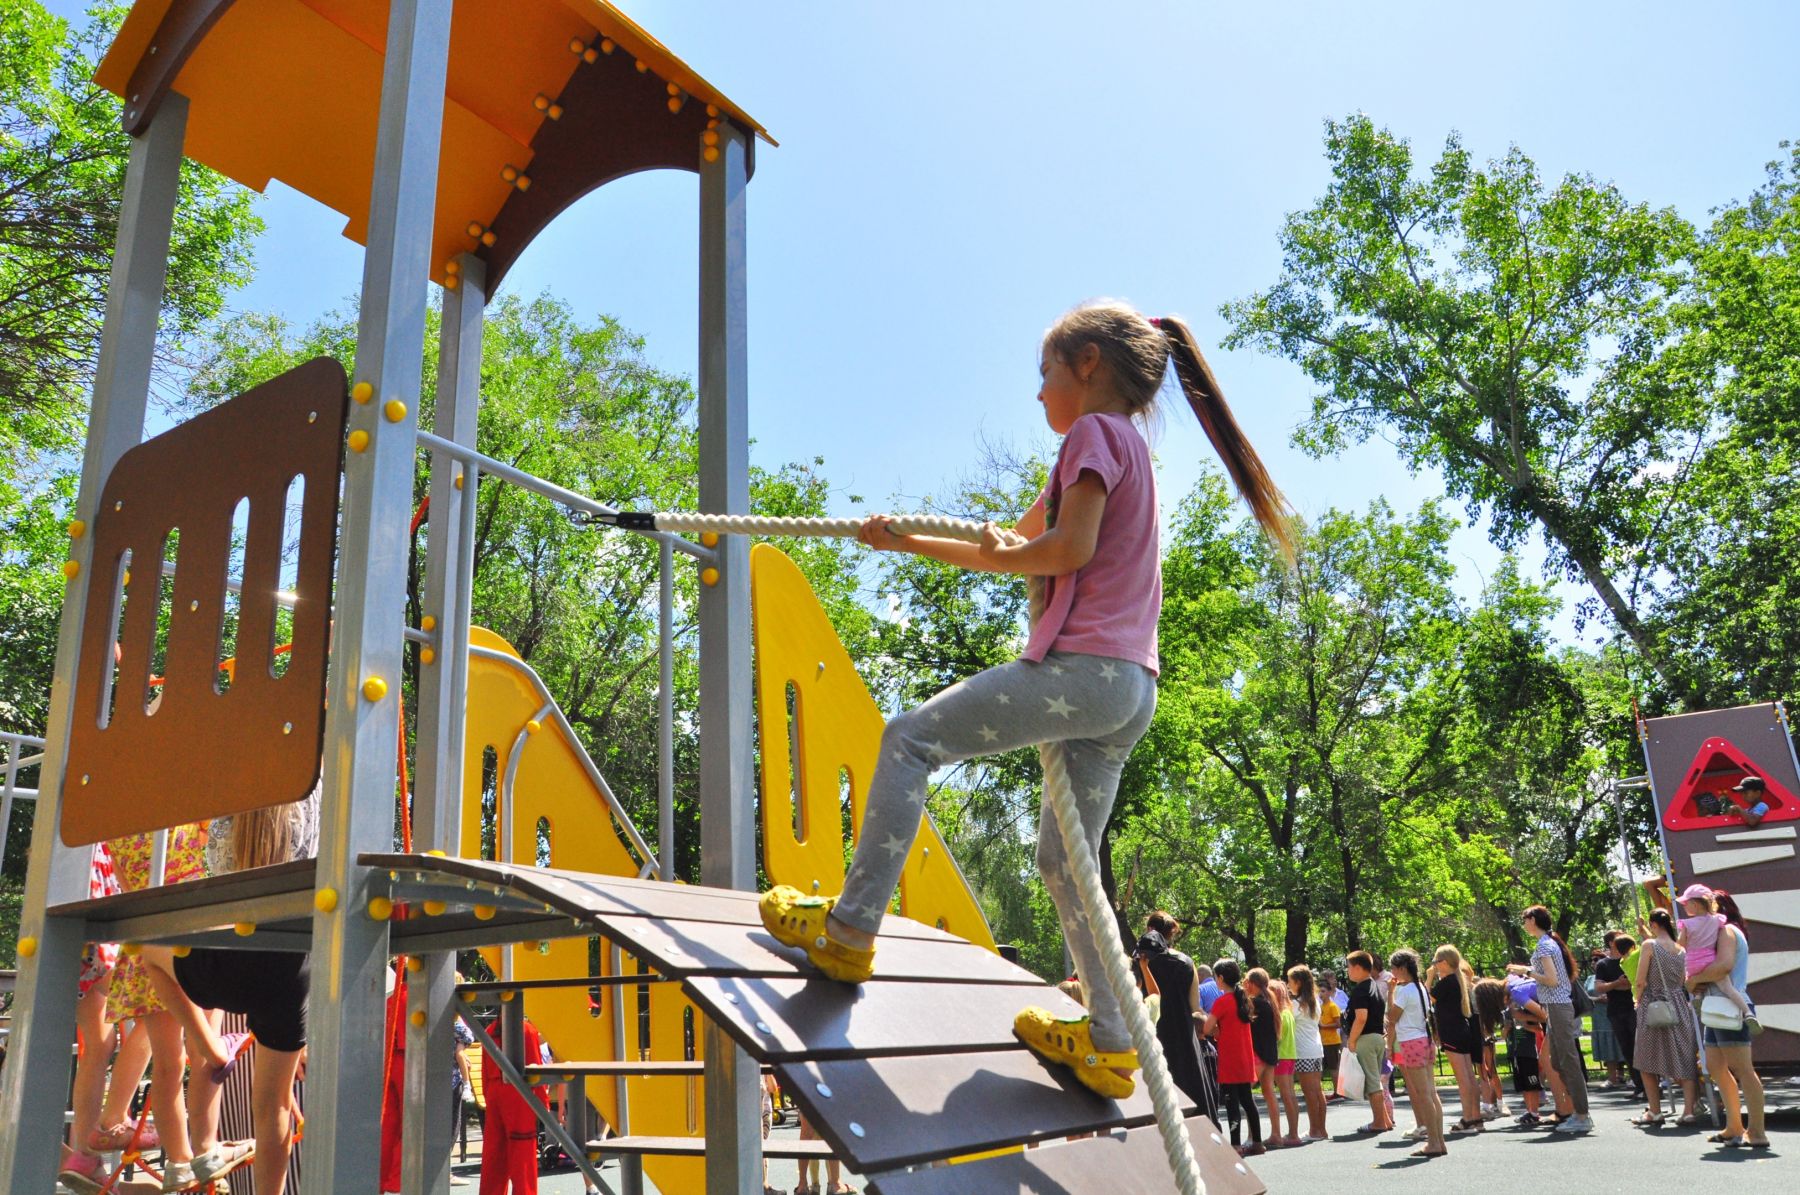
1066, 697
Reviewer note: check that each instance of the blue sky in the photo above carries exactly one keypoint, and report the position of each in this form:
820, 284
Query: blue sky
952, 176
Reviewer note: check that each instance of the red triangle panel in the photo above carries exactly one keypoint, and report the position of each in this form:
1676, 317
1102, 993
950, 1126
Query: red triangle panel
1717, 767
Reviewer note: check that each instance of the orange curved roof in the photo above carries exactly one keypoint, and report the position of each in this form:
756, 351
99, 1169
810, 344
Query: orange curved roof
290, 90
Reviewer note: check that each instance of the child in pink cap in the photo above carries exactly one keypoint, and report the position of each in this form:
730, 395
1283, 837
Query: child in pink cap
1699, 935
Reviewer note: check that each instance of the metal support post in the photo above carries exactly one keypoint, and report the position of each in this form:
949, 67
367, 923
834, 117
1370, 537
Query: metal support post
357, 814
44, 1010
426, 1129
631, 1166
665, 713
727, 859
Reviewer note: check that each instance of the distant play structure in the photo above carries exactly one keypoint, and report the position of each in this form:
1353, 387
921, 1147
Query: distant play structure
449, 136
1712, 834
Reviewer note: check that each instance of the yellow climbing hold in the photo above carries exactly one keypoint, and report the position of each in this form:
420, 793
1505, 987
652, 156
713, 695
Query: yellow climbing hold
395, 410
468, 997
436, 854
325, 900
359, 440
710, 153
244, 929
131, 948
362, 392
506, 997
380, 908
434, 908
374, 688
415, 964
710, 538
485, 912
27, 947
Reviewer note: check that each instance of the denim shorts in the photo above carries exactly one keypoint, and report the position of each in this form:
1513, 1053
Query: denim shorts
1726, 1037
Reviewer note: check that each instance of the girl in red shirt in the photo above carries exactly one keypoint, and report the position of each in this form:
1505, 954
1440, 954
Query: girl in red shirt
1228, 1024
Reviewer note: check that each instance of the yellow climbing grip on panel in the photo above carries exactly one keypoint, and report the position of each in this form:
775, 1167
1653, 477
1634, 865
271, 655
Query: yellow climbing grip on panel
838, 733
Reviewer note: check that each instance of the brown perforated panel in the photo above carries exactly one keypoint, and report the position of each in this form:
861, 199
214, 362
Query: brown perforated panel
204, 752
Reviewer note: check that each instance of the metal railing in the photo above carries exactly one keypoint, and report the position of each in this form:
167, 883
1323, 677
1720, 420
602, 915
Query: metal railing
15, 760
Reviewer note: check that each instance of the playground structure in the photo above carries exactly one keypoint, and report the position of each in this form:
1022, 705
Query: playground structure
1694, 760
449, 137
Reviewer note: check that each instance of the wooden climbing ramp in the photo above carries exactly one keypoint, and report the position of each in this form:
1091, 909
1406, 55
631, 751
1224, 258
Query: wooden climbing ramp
900, 1075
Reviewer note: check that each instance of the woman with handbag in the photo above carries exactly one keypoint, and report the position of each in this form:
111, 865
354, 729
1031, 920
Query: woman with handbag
1728, 1048
1666, 1045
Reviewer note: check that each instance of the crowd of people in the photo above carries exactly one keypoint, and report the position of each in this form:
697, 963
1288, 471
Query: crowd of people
1678, 988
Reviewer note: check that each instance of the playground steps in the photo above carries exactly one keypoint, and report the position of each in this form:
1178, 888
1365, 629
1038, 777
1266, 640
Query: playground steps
916, 1067
695, 1147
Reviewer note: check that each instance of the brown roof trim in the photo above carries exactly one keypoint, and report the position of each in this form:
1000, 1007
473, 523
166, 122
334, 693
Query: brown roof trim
182, 28
616, 121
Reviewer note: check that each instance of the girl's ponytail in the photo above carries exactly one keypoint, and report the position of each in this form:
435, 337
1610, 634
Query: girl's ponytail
1254, 485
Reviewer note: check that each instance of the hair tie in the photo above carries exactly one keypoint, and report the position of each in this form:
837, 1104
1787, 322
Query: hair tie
1156, 322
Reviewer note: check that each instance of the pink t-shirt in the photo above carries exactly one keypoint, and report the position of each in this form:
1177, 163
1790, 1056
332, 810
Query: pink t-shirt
1108, 607
1702, 940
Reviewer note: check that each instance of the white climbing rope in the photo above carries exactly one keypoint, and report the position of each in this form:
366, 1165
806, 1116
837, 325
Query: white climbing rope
1084, 862
689, 523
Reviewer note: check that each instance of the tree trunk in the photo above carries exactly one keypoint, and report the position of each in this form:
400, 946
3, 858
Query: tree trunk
1299, 928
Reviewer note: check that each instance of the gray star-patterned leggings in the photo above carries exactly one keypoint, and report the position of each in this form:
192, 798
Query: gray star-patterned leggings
1090, 708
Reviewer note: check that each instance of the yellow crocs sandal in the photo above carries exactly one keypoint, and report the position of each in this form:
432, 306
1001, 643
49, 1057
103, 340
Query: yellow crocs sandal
796, 919
1068, 1042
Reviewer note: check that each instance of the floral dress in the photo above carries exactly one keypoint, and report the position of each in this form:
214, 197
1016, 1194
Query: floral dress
131, 995
99, 958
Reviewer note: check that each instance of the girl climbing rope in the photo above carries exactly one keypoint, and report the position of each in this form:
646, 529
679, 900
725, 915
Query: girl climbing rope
1084, 689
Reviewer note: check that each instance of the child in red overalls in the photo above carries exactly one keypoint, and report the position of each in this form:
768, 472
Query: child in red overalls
509, 1156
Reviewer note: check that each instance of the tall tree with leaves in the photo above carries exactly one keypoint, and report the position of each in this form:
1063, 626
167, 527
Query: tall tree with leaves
62, 173
1502, 331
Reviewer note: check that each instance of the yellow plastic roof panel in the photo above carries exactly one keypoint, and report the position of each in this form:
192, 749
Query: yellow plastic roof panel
545, 100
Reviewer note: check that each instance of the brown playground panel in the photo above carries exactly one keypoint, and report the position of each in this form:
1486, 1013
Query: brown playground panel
1705, 753
130, 770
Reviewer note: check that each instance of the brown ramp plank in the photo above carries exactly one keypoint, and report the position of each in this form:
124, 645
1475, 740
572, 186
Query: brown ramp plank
714, 948
922, 1108
580, 893
787, 1020
1131, 1163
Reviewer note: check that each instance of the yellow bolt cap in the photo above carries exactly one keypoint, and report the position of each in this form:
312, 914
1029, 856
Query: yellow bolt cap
485, 912
509, 173
362, 391
533, 726
27, 947
710, 137
576, 45
71, 569
710, 153
380, 908
588, 55
434, 908
674, 89
468, 997
506, 997
395, 410
641, 65
181, 951
131, 948
244, 929
453, 266
415, 964
417, 1018
712, 109
459, 478
607, 45
474, 229
374, 688
427, 656
436, 854
325, 900
452, 281
359, 440
710, 538
428, 623
531, 944
77, 528
709, 576
488, 237
555, 112
524, 183
674, 103
541, 102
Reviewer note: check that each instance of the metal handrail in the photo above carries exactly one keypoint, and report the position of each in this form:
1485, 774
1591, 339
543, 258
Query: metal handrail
492, 467
9, 775
542, 692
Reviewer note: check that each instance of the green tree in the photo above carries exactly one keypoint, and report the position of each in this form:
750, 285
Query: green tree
1502, 331
62, 172
1720, 561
